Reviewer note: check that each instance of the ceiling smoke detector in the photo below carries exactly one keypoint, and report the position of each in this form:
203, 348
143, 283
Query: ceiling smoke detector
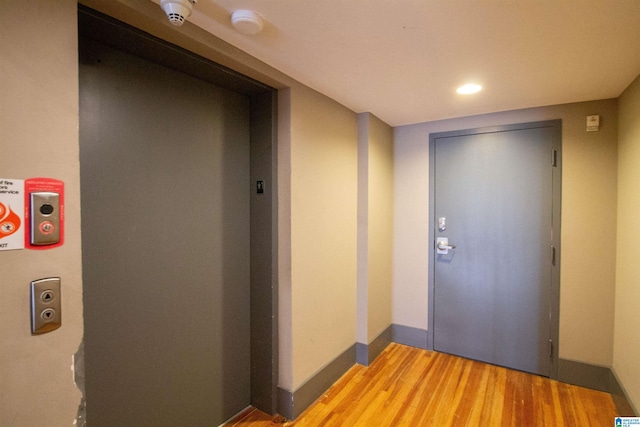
247, 22
177, 10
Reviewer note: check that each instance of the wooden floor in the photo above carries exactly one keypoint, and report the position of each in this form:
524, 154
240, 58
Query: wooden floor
406, 386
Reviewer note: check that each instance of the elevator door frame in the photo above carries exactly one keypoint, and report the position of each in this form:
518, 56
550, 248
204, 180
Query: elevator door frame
263, 167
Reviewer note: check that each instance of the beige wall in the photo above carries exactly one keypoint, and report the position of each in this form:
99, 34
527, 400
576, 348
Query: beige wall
39, 137
285, 293
375, 226
588, 219
626, 363
380, 226
324, 161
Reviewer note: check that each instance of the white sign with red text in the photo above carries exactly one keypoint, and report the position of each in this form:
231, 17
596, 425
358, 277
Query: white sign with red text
11, 214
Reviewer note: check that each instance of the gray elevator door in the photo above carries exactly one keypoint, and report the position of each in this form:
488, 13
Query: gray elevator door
492, 293
165, 221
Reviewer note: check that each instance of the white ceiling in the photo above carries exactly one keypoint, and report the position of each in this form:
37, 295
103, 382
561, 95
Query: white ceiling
403, 59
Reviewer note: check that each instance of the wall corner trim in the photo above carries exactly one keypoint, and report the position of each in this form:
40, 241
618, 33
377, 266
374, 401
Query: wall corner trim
292, 404
366, 354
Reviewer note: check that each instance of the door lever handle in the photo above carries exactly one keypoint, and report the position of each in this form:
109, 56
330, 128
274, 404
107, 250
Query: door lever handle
443, 246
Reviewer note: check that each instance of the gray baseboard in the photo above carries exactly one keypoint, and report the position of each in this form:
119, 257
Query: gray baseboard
584, 375
597, 378
407, 335
366, 354
292, 404
621, 398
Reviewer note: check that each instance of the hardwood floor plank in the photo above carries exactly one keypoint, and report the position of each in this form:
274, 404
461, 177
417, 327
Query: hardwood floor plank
252, 417
406, 386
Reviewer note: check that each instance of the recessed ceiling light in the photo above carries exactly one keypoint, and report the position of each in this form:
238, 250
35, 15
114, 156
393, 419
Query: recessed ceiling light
469, 89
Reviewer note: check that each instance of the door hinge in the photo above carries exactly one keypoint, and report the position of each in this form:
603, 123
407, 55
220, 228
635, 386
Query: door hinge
554, 158
550, 348
553, 255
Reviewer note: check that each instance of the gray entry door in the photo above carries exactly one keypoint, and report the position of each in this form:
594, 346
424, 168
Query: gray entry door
165, 169
493, 292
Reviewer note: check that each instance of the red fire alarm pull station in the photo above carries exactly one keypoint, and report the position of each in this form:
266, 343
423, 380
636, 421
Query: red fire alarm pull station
43, 213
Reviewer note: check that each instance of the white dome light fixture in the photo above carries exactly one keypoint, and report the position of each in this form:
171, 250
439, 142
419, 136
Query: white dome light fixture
247, 22
469, 88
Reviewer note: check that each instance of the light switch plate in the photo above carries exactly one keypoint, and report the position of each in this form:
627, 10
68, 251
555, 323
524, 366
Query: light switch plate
46, 305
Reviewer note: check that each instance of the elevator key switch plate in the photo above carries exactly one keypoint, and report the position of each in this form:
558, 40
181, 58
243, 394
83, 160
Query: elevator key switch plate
45, 218
46, 307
